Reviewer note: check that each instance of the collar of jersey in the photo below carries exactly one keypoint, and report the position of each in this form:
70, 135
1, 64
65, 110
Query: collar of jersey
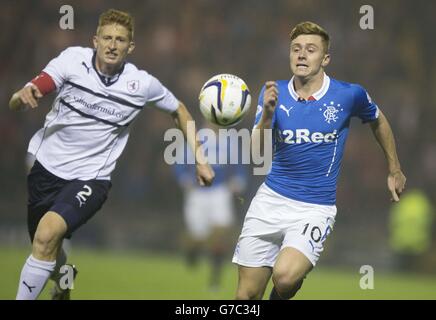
107, 81
317, 95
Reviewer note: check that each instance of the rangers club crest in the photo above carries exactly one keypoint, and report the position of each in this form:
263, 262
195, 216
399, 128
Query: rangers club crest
133, 86
331, 111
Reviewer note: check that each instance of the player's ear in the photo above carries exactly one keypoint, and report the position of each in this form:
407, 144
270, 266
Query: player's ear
94, 41
326, 60
131, 47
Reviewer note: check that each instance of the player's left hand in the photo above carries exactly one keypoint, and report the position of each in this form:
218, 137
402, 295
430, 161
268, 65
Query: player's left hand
396, 184
205, 174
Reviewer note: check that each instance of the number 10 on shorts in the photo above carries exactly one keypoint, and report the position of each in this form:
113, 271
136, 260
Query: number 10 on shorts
315, 232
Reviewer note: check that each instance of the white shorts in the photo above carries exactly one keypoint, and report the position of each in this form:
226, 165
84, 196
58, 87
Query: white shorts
274, 222
206, 208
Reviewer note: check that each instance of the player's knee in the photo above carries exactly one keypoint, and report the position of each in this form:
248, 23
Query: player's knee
248, 294
46, 241
286, 282
45, 244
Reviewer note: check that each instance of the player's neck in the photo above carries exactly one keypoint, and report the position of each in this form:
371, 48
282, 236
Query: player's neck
306, 87
107, 70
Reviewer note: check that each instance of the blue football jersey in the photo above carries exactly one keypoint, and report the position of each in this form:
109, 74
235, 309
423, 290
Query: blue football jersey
309, 137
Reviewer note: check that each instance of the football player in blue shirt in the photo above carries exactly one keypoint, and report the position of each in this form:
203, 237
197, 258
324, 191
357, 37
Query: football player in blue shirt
294, 211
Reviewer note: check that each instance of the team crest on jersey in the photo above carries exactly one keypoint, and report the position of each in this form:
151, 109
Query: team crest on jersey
331, 111
133, 86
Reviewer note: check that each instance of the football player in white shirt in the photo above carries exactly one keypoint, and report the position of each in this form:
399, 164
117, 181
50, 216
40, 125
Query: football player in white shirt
99, 94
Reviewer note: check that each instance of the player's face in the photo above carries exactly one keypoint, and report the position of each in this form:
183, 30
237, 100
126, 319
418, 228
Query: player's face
112, 44
307, 56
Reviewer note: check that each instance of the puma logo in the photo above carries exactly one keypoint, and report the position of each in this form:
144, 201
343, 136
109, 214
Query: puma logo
286, 110
87, 68
28, 287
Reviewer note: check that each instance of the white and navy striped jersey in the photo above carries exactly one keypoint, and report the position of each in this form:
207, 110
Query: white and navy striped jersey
88, 126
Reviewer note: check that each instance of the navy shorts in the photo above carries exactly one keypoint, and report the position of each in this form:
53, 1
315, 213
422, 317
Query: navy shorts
75, 200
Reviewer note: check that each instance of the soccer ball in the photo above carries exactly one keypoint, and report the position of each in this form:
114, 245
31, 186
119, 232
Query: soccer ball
224, 100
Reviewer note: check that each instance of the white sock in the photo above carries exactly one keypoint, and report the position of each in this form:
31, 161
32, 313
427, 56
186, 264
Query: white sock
33, 278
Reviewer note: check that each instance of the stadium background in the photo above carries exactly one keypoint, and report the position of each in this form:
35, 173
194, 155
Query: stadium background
184, 43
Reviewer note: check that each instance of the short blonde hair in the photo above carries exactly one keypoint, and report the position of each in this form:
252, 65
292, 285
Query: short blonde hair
112, 16
309, 27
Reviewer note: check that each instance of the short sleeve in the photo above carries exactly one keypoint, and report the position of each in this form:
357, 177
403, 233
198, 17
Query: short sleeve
160, 97
57, 68
364, 107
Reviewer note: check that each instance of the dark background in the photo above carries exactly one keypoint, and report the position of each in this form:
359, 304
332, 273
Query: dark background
184, 43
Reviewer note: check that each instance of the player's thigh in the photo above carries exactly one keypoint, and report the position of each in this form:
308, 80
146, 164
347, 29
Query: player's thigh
42, 188
48, 236
262, 233
252, 282
34, 216
255, 257
291, 267
79, 200
307, 228
51, 229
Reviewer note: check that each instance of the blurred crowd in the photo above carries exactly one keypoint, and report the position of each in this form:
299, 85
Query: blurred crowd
184, 43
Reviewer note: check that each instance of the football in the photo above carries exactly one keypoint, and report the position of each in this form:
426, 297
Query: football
224, 100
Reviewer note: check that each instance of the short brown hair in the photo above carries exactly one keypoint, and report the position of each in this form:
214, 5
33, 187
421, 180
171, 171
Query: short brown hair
112, 16
309, 27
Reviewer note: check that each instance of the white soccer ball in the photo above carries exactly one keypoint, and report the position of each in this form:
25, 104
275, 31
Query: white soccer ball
224, 100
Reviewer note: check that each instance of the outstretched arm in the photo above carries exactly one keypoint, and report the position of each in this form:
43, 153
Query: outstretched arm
205, 173
25, 98
29, 95
383, 133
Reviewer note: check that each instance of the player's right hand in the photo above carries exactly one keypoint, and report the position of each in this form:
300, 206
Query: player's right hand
205, 174
28, 96
396, 184
270, 97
